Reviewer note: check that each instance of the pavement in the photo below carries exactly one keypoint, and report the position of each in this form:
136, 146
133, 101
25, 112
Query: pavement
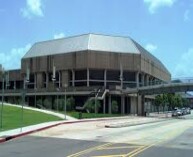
114, 122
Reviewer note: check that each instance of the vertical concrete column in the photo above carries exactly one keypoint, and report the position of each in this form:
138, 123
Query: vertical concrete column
65, 78
73, 78
47, 79
88, 77
140, 104
143, 79
122, 104
110, 111
39, 80
104, 105
105, 78
35, 81
14, 86
133, 103
59, 84
137, 79
147, 80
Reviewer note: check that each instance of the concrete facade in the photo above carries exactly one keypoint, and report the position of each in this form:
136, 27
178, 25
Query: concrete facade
83, 63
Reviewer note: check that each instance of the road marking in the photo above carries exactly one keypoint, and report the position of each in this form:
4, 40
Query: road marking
134, 151
90, 150
121, 147
141, 150
121, 155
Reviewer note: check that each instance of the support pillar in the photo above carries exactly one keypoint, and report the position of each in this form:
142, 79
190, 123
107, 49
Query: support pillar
143, 79
39, 80
105, 78
122, 104
65, 78
87, 77
140, 104
110, 111
133, 103
35, 81
104, 105
137, 79
59, 83
47, 79
73, 78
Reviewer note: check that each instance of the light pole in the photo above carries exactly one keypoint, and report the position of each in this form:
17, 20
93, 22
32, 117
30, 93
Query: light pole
25, 82
65, 86
95, 105
35, 97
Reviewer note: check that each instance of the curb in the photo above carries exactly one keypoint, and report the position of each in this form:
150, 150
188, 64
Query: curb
8, 138
122, 126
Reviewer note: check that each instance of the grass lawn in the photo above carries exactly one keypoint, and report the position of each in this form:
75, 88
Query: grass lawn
12, 117
91, 115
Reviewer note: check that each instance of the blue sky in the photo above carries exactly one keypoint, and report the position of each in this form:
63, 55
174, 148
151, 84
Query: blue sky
164, 27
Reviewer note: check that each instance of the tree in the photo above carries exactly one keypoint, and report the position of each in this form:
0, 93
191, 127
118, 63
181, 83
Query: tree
170, 98
58, 104
178, 101
48, 103
70, 104
114, 106
90, 105
158, 101
164, 101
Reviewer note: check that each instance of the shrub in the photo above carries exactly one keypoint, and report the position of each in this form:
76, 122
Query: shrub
114, 106
58, 104
70, 104
48, 103
90, 105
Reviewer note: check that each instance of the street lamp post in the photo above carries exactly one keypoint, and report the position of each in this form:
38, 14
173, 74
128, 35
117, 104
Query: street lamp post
95, 105
25, 82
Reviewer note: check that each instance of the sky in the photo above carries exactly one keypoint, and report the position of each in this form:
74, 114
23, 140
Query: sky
163, 27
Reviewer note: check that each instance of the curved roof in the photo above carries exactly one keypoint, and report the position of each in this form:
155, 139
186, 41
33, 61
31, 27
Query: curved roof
90, 42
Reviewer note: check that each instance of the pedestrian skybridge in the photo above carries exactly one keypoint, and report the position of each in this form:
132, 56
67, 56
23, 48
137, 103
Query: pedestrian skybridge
185, 85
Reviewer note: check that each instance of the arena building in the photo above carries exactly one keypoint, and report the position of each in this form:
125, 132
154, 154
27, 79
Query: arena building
80, 65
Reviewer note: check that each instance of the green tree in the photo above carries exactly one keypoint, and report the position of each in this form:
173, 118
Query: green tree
178, 100
158, 101
70, 104
114, 106
90, 105
58, 104
47, 103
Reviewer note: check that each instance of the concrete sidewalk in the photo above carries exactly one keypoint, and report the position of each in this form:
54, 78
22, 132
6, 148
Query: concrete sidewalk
114, 122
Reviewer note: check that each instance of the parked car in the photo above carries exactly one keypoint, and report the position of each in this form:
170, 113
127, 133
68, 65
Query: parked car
184, 111
176, 113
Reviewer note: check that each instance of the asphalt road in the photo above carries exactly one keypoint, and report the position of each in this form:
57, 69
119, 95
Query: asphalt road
171, 138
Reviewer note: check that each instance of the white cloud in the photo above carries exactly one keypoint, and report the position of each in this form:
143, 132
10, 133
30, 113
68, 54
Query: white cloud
187, 15
58, 36
184, 66
155, 4
150, 47
12, 60
33, 8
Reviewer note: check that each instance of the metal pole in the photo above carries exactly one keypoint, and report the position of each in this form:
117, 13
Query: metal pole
57, 103
23, 101
95, 103
35, 99
2, 102
65, 104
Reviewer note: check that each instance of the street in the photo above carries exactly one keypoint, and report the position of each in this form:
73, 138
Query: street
172, 137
